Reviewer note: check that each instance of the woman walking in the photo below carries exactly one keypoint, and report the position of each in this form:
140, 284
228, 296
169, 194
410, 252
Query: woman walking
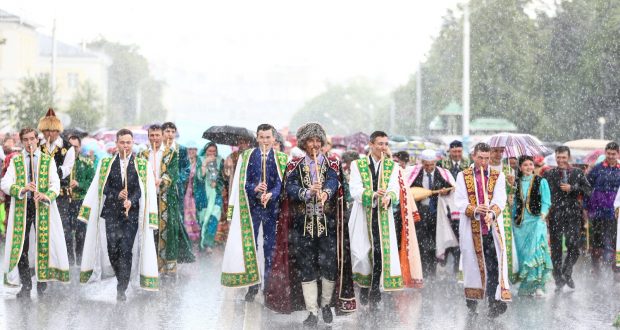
208, 174
532, 202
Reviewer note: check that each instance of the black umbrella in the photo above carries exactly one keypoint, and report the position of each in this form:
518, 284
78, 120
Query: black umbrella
75, 131
228, 135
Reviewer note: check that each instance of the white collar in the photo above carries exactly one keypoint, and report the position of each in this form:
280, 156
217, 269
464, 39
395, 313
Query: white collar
375, 161
57, 143
161, 147
37, 152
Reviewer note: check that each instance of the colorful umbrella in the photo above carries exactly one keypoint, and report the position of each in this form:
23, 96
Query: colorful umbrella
593, 156
518, 144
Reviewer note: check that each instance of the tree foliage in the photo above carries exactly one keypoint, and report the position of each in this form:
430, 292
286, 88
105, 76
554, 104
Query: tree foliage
553, 76
25, 107
86, 108
346, 109
129, 73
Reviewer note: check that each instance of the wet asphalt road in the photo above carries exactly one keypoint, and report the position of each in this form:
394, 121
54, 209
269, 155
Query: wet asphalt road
197, 301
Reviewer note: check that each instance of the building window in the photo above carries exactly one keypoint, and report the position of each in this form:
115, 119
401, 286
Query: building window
72, 80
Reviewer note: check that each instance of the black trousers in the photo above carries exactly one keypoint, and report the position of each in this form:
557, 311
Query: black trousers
23, 266
64, 208
374, 293
604, 236
569, 228
121, 234
426, 230
456, 252
398, 225
490, 261
74, 228
316, 256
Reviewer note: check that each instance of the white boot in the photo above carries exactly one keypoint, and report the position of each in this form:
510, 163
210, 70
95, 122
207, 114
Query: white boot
310, 298
327, 290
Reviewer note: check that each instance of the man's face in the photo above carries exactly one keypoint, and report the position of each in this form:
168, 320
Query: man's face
243, 144
191, 153
313, 145
327, 147
401, 163
456, 154
379, 146
514, 163
8, 145
429, 165
30, 141
481, 159
155, 137
124, 144
169, 134
265, 139
76, 145
562, 159
50, 136
496, 154
611, 156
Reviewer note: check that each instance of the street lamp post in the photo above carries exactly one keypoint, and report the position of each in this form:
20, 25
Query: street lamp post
602, 121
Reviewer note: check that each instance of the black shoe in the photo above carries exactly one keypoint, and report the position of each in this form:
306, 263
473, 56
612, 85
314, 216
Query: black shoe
41, 286
327, 314
23, 294
569, 282
120, 296
559, 284
472, 305
497, 308
364, 296
311, 321
374, 306
252, 291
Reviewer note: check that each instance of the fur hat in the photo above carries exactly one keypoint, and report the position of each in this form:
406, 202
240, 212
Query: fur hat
308, 131
50, 122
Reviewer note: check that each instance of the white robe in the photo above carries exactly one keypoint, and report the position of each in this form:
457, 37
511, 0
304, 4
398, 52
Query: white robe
472, 276
361, 241
95, 259
57, 261
243, 262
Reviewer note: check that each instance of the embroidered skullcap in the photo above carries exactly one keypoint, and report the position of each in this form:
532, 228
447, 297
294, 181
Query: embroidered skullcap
428, 155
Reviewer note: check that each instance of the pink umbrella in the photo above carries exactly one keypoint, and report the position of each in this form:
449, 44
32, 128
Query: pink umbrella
518, 144
593, 156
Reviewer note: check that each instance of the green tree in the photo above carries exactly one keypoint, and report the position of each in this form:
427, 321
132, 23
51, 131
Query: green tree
86, 108
128, 77
25, 107
346, 109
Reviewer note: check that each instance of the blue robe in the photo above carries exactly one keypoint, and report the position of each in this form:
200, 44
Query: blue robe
531, 241
266, 216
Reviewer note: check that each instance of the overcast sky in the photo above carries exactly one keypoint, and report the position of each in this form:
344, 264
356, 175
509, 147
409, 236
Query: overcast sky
320, 40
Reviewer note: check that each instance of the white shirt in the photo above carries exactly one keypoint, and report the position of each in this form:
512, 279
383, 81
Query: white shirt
67, 164
426, 185
124, 164
155, 160
498, 168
